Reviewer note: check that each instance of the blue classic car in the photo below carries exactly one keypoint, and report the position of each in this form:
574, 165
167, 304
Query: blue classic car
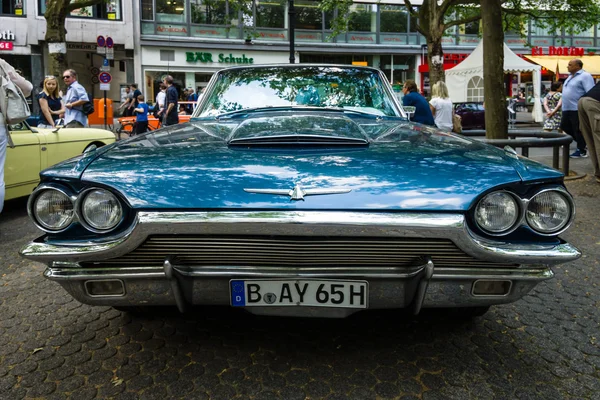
301, 190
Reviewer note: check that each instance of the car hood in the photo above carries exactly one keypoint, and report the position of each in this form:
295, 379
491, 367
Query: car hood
404, 166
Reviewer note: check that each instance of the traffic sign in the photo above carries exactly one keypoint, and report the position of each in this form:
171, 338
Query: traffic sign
105, 65
105, 86
110, 53
109, 42
100, 41
105, 77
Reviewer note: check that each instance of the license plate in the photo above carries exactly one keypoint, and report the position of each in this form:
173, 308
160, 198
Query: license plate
302, 292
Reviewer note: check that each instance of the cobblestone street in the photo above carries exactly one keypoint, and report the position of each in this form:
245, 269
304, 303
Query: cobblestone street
546, 346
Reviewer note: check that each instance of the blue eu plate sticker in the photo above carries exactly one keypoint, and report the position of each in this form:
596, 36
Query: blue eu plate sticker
238, 294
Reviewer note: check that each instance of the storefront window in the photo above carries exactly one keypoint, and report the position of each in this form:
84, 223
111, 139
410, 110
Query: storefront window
471, 28
308, 15
394, 19
540, 28
147, 10
12, 7
211, 12
270, 14
170, 11
413, 21
110, 10
363, 18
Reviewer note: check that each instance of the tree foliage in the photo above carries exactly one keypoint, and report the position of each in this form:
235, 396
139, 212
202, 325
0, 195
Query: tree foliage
56, 32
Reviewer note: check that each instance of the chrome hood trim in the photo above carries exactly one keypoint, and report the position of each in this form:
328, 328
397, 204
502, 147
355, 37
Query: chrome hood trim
298, 192
302, 223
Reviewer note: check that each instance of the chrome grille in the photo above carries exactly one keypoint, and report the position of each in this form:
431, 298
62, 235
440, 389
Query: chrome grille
294, 252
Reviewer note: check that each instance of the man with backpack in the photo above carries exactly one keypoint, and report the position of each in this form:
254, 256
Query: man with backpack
75, 98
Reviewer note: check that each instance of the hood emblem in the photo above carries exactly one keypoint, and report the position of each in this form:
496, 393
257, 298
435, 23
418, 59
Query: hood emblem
297, 193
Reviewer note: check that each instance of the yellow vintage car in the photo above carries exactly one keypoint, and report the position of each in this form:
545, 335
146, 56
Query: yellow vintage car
35, 149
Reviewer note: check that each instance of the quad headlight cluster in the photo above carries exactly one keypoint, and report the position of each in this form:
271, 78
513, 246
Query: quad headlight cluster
548, 212
53, 210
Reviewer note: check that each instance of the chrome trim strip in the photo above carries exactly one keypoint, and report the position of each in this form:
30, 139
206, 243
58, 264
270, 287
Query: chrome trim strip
76, 273
301, 223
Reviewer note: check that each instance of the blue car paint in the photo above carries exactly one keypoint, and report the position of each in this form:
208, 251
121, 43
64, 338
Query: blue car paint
404, 167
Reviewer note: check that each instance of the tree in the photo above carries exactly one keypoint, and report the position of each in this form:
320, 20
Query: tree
496, 117
56, 33
435, 17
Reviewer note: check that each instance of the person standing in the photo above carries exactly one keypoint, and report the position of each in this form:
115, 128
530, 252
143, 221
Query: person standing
125, 102
171, 116
141, 116
74, 99
26, 87
191, 97
133, 103
50, 103
441, 106
159, 107
577, 84
552, 106
588, 108
413, 98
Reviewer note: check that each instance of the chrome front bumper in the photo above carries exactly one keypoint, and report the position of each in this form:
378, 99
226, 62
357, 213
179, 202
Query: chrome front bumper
417, 286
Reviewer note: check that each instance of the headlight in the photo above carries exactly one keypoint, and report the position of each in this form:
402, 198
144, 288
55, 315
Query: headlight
53, 210
497, 212
548, 212
101, 209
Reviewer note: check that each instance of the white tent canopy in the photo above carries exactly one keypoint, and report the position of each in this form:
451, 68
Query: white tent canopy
467, 77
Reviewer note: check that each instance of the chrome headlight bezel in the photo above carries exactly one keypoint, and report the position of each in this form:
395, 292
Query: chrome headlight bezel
32, 201
82, 217
566, 196
517, 218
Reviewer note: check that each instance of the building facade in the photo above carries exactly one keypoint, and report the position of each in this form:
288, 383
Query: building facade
22, 42
191, 39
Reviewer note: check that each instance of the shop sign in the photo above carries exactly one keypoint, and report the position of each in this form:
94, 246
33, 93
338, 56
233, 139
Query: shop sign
6, 40
516, 41
222, 58
356, 38
583, 42
557, 51
171, 29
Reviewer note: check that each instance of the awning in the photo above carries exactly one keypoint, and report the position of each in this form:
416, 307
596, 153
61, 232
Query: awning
591, 64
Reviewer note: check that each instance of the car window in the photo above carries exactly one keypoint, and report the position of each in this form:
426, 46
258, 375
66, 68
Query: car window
355, 89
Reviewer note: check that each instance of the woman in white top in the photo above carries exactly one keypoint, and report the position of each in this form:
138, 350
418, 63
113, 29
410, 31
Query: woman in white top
441, 106
159, 106
26, 88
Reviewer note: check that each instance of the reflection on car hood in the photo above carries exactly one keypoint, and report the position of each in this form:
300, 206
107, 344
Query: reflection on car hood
404, 167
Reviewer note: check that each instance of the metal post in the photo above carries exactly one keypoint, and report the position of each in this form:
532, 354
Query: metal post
105, 110
292, 34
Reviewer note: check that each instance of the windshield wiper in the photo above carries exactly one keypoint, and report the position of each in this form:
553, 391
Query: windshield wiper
235, 113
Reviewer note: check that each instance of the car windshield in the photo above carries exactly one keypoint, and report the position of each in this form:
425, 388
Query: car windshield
350, 88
